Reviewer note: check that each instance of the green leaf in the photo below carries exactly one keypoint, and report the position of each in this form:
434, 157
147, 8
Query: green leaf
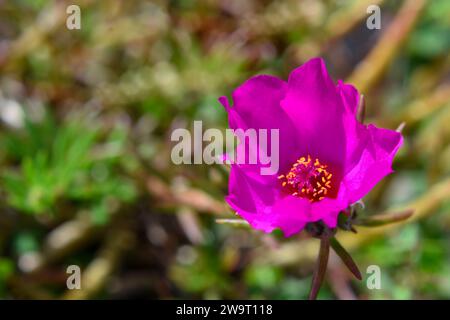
384, 219
345, 257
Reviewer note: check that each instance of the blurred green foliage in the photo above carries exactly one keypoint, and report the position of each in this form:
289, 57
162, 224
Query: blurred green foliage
70, 161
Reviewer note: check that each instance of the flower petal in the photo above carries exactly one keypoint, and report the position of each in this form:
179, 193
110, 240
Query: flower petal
251, 199
257, 101
291, 214
257, 106
349, 95
315, 106
328, 209
263, 207
375, 156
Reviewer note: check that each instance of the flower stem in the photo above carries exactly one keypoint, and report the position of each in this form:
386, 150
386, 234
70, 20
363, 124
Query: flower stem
321, 267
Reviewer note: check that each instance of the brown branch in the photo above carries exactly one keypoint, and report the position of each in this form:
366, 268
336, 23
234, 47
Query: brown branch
369, 71
192, 198
341, 22
423, 107
96, 274
65, 239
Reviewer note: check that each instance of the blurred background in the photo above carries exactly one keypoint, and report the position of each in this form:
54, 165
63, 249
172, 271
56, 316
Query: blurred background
86, 175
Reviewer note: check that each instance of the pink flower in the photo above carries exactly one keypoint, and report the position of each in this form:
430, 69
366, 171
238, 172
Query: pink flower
327, 159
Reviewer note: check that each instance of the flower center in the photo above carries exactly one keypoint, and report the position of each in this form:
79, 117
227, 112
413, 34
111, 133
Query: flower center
308, 178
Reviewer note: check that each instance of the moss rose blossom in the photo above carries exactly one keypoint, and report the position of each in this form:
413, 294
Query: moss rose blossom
328, 160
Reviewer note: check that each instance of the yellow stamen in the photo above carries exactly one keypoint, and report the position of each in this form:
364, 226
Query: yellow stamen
308, 178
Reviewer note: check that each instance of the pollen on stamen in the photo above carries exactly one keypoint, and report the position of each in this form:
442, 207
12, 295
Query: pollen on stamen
308, 178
